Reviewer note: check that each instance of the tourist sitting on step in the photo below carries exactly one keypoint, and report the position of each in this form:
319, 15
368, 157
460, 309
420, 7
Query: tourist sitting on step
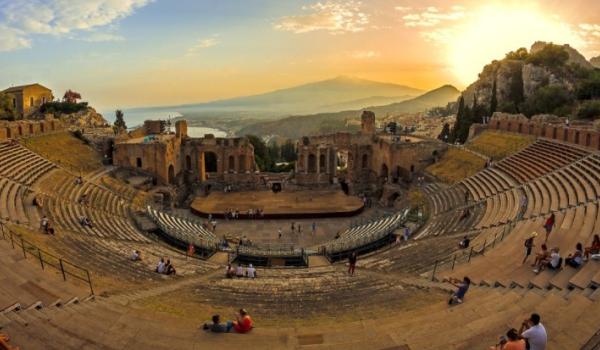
543, 256
534, 333
83, 199
512, 341
229, 271
49, 229
136, 256
169, 268
553, 263
463, 287
85, 221
4, 343
576, 259
78, 180
160, 268
44, 224
239, 271
251, 271
243, 322
593, 249
216, 326
465, 214
464, 243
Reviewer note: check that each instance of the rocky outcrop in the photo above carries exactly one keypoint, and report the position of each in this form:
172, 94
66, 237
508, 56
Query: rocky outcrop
87, 118
574, 55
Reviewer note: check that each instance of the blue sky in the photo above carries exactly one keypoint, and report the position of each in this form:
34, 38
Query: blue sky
124, 53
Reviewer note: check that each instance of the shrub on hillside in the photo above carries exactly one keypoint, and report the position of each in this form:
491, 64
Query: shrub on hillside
63, 107
550, 56
548, 99
589, 110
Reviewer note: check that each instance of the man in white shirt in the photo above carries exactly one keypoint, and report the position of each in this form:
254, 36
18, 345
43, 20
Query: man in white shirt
251, 271
535, 333
161, 266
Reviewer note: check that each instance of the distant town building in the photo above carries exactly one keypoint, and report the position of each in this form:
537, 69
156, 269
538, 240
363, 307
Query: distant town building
26, 99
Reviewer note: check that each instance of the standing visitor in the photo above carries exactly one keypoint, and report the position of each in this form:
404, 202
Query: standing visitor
529, 246
314, 228
549, 225
352, 263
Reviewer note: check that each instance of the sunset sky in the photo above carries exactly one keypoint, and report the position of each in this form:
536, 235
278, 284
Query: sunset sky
124, 53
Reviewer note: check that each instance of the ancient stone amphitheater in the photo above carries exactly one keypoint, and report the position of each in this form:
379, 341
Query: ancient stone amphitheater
79, 290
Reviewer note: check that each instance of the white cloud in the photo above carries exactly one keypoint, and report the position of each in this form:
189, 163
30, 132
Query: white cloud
202, 44
590, 34
365, 55
335, 17
24, 18
432, 16
101, 36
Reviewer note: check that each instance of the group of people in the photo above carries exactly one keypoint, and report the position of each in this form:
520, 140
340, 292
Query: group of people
552, 259
240, 271
165, 268
45, 226
242, 324
85, 221
532, 335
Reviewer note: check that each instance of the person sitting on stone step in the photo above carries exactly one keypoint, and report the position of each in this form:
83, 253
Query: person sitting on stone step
463, 287
4, 343
512, 341
160, 268
216, 326
229, 271
239, 270
464, 243
136, 256
44, 224
593, 249
169, 268
576, 259
251, 271
542, 256
534, 333
553, 263
243, 322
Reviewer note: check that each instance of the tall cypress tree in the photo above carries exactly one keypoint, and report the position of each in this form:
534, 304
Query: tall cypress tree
494, 99
460, 116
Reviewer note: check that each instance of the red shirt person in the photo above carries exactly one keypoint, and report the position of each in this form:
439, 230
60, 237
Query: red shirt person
243, 324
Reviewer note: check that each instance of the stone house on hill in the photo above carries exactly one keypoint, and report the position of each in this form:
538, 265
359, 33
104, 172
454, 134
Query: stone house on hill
26, 99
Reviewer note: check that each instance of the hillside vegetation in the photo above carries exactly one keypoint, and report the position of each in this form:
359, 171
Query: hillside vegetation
66, 150
322, 123
455, 165
498, 145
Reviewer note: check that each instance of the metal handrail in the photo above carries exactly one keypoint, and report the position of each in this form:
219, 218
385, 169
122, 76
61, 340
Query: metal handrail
45, 258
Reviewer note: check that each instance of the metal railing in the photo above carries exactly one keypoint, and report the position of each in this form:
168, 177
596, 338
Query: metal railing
466, 254
45, 259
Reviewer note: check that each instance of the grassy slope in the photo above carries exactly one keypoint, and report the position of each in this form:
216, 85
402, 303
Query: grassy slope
498, 145
455, 165
66, 150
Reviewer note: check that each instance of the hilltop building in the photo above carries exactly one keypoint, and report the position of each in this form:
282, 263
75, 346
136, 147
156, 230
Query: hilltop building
26, 99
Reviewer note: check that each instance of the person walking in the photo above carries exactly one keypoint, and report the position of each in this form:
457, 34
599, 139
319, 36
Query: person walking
352, 263
549, 225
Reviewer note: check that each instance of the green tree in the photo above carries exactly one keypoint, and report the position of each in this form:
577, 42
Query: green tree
288, 151
445, 134
460, 116
548, 99
589, 110
274, 152
494, 99
120, 120
7, 111
551, 56
520, 54
261, 153
516, 94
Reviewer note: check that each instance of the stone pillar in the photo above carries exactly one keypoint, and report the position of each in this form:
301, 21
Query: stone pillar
305, 162
318, 160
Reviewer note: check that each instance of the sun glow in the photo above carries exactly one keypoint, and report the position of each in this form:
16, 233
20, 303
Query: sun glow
493, 31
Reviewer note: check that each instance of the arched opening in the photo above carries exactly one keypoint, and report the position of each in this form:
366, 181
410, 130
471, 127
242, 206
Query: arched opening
365, 161
312, 163
188, 162
8, 133
20, 130
31, 128
210, 162
565, 134
577, 137
342, 160
396, 175
392, 198
508, 126
322, 163
138, 162
530, 131
554, 133
171, 174
242, 163
231, 164
384, 171
42, 127
588, 139
412, 168
520, 128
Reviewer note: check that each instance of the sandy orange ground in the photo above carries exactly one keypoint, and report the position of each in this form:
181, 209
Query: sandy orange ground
300, 202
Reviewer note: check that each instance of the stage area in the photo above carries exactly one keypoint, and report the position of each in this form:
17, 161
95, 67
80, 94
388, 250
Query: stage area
282, 205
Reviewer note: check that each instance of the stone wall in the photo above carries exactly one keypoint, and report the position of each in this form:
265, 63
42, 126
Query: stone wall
24, 128
548, 126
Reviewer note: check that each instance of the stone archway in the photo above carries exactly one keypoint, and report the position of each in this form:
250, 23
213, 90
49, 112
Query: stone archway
365, 161
231, 164
210, 162
312, 163
188, 162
